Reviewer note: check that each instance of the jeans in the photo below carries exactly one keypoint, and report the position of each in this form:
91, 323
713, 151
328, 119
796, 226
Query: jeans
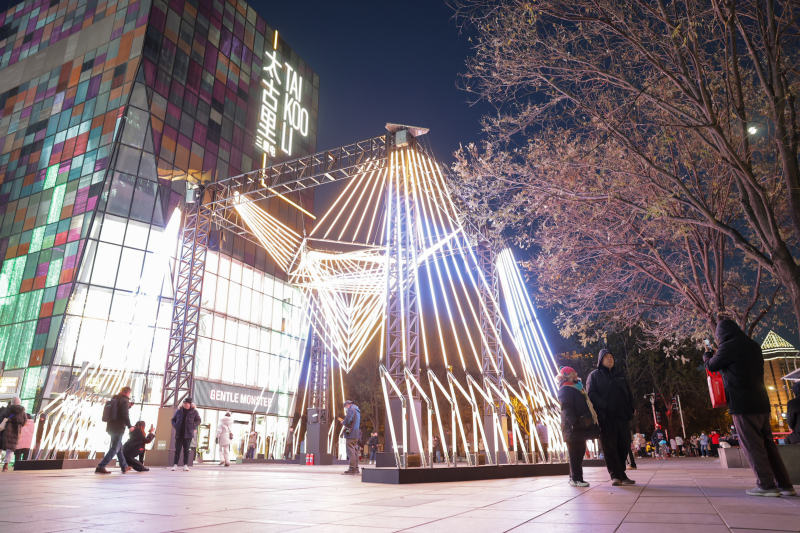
576, 449
704, 450
373, 452
251, 452
135, 463
115, 448
182, 444
755, 438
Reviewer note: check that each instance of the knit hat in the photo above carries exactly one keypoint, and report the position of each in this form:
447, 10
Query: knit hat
188, 399
566, 371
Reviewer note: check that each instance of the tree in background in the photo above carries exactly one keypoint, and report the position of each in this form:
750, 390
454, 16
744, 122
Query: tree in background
649, 148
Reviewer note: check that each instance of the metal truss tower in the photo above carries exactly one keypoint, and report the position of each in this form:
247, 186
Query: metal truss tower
179, 370
490, 323
215, 204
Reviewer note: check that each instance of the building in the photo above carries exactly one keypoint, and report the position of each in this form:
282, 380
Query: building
107, 110
780, 358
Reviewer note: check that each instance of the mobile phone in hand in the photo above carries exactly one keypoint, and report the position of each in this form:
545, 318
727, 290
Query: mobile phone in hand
707, 343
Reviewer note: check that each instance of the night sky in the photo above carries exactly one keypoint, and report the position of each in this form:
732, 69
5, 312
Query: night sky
381, 62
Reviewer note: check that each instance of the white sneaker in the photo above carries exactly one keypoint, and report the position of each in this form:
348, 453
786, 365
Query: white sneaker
174, 467
185, 468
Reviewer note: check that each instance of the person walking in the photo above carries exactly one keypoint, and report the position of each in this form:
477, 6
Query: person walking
793, 414
714, 443
117, 418
679, 443
373, 448
14, 418
134, 446
541, 432
578, 421
225, 437
609, 392
252, 443
739, 359
352, 432
185, 422
703, 440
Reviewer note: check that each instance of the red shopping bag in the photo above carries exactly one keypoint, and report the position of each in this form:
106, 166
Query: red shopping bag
716, 389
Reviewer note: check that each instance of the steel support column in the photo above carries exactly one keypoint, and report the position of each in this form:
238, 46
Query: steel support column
179, 370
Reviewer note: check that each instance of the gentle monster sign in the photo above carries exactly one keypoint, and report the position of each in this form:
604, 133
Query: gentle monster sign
282, 115
221, 396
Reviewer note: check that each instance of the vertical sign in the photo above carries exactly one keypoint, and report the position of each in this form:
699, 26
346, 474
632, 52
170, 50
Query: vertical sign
281, 115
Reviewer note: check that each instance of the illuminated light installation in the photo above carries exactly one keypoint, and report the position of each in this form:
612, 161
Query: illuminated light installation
393, 231
73, 420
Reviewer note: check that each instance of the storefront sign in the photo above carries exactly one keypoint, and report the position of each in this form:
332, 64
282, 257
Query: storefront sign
281, 115
221, 396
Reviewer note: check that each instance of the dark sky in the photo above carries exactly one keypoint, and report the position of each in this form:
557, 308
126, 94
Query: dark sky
381, 62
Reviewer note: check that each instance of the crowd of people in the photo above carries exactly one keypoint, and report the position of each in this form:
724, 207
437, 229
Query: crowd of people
604, 408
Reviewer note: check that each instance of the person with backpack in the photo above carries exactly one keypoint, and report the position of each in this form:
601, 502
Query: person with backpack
14, 417
117, 419
352, 432
134, 446
185, 421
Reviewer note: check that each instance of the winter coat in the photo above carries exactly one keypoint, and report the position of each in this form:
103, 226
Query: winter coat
793, 414
573, 406
136, 442
739, 359
120, 418
16, 419
609, 392
352, 422
192, 418
224, 431
373, 443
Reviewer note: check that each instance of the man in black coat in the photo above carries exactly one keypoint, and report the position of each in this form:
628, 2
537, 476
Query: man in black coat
741, 363
185, 421
793, 414
612, 400
116, 425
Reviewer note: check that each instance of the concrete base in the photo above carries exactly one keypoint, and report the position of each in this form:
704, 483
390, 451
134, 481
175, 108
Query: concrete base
790, 454
734, 457
442, 474
60, 464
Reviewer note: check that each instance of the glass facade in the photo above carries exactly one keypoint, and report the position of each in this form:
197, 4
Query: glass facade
110, 108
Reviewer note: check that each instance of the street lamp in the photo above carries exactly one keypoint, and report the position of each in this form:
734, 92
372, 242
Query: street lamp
752, 130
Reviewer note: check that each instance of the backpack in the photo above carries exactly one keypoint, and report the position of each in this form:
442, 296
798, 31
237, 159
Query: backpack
109, 413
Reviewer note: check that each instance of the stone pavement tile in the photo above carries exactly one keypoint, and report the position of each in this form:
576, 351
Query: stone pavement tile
594, 506
672, 500
523, 504
244, 527
405, 501
674, 518
427, 511
385, 521
669, 491
547, 527
633, 527
38, 526
580, 516
644, 506
492, 513
472, 525
334, 528
771, 522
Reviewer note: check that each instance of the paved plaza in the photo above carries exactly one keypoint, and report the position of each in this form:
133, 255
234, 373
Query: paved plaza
679, 495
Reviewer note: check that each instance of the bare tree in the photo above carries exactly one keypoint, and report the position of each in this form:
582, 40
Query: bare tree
693, 101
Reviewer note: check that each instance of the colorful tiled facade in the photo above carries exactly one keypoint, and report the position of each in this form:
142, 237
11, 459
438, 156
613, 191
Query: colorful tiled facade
107, 109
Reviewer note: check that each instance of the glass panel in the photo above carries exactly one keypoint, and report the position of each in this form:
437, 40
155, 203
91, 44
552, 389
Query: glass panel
136, 235
128, 160
105, 264
130, 269
135, 126
119, 198
98, 303
113, 229
143, 200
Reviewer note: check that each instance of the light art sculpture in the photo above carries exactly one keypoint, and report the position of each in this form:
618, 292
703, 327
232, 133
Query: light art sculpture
391, 257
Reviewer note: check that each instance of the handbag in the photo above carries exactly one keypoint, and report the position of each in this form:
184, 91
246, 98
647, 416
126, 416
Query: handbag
716, 389
588, 427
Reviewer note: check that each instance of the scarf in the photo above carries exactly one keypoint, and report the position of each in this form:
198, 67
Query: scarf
579, 387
